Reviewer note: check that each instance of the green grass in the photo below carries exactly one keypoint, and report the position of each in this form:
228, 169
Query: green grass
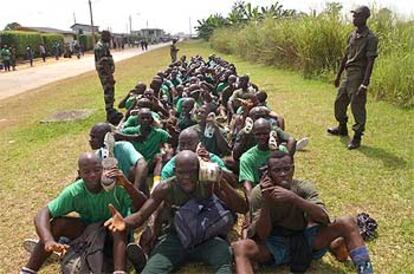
38, 160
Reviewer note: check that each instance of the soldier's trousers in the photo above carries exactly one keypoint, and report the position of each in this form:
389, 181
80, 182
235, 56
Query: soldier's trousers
107, 82
347, 94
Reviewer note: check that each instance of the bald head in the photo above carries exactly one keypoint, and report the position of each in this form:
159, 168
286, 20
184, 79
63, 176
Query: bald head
261, 132
186, 170
90, 170
97, 135
87, 158
188, 140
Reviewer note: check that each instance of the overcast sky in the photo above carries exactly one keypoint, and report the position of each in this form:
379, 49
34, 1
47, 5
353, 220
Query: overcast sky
172, 16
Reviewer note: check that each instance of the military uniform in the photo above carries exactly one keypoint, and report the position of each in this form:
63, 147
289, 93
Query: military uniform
173, 53
361, 46
105, 67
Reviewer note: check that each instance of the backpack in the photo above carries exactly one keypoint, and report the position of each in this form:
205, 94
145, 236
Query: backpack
198, 221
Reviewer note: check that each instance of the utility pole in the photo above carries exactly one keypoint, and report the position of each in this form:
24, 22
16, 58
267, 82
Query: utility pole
189, 23
93, 30
74, 18
130, 24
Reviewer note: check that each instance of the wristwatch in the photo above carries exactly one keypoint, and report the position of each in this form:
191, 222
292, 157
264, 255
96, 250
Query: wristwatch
364, 86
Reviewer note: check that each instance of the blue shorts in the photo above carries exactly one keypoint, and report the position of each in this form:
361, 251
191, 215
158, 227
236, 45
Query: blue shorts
279, 246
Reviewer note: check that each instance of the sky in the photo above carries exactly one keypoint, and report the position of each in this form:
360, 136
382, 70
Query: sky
172, 16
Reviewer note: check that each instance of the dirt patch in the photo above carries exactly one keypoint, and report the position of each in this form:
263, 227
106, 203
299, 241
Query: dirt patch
68, 116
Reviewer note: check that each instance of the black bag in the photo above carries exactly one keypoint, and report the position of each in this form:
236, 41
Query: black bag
196, 222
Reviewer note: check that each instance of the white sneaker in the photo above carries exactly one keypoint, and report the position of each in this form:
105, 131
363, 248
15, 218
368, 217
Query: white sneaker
302, 143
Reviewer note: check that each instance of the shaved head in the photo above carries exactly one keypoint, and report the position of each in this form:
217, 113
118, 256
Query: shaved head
87, 158
188, 140
97, 135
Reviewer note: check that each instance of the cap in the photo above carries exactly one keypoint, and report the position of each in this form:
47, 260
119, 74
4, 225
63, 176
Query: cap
362, 10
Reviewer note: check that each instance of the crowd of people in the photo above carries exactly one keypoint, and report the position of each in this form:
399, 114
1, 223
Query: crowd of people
9, 58
196, 156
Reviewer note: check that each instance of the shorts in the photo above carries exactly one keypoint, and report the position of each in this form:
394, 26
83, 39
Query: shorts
280, 250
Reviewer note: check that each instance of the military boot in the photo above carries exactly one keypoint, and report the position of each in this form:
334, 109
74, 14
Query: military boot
340, 130
355, 142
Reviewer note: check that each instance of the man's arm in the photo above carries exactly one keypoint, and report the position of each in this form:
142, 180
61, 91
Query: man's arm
118, 223
136, 196
313, 210
222, 144
238, 148
229, 195
341, 69
263, 224
42, 225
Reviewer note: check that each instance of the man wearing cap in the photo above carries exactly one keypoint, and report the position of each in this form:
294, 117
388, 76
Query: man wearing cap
358, 63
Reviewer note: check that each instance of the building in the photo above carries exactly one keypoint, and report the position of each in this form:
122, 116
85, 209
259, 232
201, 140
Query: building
84, 29
68, 35
152, 35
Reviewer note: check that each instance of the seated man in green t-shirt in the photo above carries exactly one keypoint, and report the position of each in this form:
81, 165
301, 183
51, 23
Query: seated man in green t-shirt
291, 224
130, 162
256, 157
86, 197
245, 139
169, 254
146, 139
186, 117
189, 140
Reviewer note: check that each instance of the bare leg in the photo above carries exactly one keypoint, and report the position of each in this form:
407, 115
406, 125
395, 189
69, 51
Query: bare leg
68, 227
119, 250
345, 227
247, 252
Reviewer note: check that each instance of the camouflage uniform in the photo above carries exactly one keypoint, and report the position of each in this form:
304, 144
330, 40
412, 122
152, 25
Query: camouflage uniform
105, 67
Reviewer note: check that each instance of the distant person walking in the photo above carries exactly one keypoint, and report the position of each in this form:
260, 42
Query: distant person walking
13, 52
42, 51
29, 54
173, 51
56, 50
5, 57
358, 63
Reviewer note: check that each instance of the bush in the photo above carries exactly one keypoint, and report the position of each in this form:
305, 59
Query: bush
50, 38
86, 41
20, 40
315, 44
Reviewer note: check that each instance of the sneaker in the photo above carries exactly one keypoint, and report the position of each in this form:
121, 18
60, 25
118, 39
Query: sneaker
272, 141
136, 256
338, 131
302, 143
109, 144
30, 244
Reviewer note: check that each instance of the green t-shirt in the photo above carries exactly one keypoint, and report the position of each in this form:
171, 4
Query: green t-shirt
221, 87
132, 120
5, 54
151, 146
250, 163
129, 103
126, 155
168, 170
92, 207
285, 215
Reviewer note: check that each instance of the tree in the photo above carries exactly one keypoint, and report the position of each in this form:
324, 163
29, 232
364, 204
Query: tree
12, 26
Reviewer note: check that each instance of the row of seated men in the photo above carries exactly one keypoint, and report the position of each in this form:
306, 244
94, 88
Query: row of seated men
200, 169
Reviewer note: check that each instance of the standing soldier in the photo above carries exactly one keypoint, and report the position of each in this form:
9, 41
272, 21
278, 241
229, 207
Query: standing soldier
358, 63
173, 51
105, 67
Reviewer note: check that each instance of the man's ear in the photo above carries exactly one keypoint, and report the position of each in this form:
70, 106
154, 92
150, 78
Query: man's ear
79, 175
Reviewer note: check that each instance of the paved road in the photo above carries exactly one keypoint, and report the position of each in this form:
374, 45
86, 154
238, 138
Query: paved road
13, 83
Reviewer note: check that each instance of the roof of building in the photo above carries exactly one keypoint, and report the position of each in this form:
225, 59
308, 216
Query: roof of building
83, 25
46, 30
